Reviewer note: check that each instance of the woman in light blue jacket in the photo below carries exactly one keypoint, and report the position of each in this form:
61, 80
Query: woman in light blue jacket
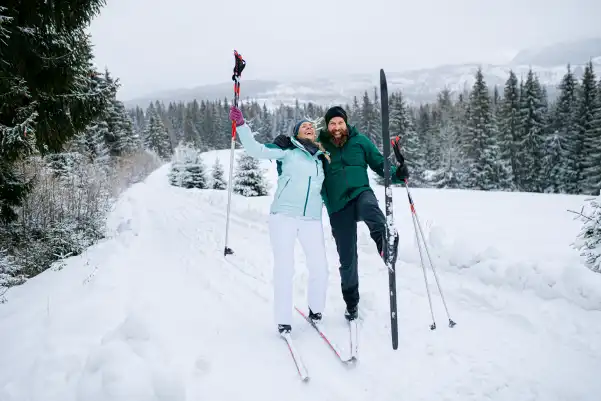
296, 212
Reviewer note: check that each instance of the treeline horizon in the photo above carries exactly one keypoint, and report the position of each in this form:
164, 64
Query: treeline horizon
513, 138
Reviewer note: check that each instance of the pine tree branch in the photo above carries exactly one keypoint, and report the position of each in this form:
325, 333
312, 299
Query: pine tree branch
581, 214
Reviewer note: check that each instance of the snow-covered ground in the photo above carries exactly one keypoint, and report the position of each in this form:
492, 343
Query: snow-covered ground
155, 312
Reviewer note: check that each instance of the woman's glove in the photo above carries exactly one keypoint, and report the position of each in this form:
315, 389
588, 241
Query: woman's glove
236, 115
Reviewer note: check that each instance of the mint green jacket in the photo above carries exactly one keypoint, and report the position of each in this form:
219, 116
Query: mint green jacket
299, 184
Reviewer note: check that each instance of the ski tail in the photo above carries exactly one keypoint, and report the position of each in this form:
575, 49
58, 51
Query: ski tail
354, 341
391, 238
296, 358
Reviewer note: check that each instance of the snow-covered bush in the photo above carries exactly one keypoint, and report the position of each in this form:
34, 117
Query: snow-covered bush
65, 211
134, 168
187, 168
589, 238
249, 179
217, 178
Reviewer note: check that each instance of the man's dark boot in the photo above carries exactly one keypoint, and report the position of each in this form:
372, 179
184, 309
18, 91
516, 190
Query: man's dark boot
351, 313
315, 317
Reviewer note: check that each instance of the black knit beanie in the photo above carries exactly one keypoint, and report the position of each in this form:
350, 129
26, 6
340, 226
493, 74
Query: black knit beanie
335, 111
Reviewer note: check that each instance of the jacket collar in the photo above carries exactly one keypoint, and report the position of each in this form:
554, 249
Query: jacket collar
299, 145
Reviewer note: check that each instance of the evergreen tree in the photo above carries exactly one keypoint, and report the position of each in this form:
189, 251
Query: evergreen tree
530, 149
266, 131
563, 177
366, 116
156, 137
217, 175
187, 168
589, 239
427, 132
589, 121
510, 129
50, 89
448, 175
552, 172
402, 125
129, 141
479, 140
374, 132
249, 179
92, 142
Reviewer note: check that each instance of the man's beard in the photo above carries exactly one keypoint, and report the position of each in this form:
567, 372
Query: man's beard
343, 131
339, 141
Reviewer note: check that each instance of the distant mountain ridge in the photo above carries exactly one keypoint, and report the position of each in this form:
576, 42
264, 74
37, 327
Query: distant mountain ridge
418, 86
576, 52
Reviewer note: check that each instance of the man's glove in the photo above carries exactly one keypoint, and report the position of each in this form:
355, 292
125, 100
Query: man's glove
402, 172
283, 141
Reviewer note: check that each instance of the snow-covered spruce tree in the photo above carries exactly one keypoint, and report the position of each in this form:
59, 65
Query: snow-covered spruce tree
448, 174
403, 125
249, 178
188, 169
589, 121
589, 239
509, 123
217, 176
479, 139
564, 176
91, 142
156, 137
530, 149
551, 173
48, 85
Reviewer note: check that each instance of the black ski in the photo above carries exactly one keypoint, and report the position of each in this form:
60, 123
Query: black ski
391, 238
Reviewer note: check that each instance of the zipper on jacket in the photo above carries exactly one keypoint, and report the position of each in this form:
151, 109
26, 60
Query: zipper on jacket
316, 168
285, 185
307, 197
346, 193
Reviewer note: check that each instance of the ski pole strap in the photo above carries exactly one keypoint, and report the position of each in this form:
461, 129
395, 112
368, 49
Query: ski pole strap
397, 152
239, 65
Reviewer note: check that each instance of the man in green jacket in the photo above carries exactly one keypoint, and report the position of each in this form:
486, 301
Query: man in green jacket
349, 198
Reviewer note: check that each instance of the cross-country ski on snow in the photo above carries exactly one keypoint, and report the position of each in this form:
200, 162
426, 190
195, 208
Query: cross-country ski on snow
353, 346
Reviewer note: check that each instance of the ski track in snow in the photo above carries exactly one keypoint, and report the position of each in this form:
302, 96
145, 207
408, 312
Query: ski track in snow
157, 313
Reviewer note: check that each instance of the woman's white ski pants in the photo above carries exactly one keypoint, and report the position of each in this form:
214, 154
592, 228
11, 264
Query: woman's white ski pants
284, 231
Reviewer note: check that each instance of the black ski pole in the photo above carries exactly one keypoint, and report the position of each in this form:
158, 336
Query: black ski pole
417, 225
239, 65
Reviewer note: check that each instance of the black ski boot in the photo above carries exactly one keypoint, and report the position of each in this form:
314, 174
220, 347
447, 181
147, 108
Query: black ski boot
351, 313
284, 328
315, 317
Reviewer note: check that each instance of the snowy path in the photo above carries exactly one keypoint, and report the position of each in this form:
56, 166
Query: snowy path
156, 313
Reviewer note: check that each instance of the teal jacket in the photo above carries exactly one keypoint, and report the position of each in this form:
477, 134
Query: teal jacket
299, 185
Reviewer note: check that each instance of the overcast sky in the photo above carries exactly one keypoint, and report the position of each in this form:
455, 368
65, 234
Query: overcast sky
153, 45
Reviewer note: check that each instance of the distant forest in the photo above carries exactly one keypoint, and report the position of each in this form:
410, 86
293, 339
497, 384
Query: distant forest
512, 138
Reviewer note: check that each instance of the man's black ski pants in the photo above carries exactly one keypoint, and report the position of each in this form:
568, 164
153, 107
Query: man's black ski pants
344, 229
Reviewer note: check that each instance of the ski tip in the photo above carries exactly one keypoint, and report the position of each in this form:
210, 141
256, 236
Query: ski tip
382, 75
